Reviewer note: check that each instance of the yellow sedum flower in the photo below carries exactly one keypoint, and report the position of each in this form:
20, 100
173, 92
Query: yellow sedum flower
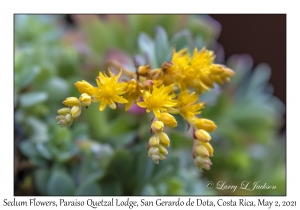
197, 71
109, 91
188, 105
159, 100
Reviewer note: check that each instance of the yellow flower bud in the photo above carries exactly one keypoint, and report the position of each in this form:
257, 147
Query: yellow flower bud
154, 141
202, 135
85, 99
162, 149
166, 65
155, 158
205, 78
153, 151
161, 157
69, 118
201, 163
64, 111
71, 101
62, 123
85, 87
203, 160
143, 70
205, 124
75, 111
157, 126
202, 151
228, 72
173, 111
168, 119
209, 148
164, 139
216, 69
60, 117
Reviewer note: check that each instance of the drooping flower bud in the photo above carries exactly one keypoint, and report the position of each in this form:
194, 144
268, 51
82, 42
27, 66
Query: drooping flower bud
202, 135
157, 126
205, 124
168, 119
154, 141
162, 149
202, 151
164, 139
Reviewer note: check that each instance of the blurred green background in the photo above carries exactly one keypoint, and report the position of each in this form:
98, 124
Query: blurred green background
104, 153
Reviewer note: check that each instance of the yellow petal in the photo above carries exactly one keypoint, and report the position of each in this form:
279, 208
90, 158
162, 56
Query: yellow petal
156, 112
142, 104
112, 106
120, 99
102, 105
128, 105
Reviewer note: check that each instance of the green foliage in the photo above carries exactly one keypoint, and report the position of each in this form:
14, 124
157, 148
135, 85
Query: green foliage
104, 153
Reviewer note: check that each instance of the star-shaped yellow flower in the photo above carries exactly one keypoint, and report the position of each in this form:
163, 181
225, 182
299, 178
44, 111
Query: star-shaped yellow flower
108, 91
159, 100
188, 105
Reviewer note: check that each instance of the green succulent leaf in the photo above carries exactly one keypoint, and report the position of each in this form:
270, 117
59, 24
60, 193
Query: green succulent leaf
60, 183
43, 150
89, 188
148, 190
41, 177
162, 48
30, 99
147, 47
28, 148
182, 39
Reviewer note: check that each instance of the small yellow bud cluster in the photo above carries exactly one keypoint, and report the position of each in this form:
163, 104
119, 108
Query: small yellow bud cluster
202, 152
202, 149
69, 114
158, 142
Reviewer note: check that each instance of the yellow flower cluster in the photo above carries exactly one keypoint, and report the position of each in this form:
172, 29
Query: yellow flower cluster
172, 89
